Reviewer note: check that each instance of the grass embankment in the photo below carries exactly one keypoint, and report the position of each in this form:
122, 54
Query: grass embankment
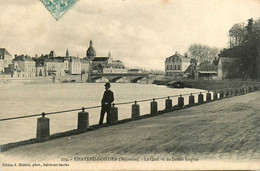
204, 84
212, 84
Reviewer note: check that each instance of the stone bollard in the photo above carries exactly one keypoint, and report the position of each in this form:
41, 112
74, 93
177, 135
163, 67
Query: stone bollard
135, 110
180, 101
241, 90
226, 93
236, 92
231, 92
245, 90
200, 98
221, 95
43, 128
215, 95
208, 96
113, 115
83, 120
154, 107
191, 99
168, 103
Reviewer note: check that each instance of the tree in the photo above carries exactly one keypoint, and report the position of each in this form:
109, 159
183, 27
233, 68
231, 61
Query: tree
245, 54
236, 35
202, 53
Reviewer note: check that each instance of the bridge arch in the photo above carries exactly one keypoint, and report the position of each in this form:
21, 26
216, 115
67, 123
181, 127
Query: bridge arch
122, 80
99, 79
113, 80
135, 80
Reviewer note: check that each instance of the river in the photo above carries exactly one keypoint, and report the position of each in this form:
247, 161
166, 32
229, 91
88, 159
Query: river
28, 99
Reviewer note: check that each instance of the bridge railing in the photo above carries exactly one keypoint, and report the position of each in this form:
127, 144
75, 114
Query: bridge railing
43, 123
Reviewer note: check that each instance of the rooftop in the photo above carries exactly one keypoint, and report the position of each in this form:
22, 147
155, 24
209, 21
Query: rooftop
183, 59
4, 52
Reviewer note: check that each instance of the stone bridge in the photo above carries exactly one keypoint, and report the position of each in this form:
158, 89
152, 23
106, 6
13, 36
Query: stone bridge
114, 77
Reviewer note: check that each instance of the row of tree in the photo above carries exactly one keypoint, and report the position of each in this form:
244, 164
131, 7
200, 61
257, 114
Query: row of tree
202, 53
244, 50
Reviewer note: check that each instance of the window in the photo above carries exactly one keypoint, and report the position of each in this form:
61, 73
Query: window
179, 67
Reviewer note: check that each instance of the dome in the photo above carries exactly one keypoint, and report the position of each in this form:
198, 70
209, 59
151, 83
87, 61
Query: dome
91, 53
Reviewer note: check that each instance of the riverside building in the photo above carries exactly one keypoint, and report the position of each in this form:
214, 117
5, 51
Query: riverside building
176, 65
24, 66
2, 65
6, 56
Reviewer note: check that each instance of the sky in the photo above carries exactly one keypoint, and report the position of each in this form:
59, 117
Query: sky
140, 33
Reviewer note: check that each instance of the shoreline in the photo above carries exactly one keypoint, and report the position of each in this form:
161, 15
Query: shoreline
183, 133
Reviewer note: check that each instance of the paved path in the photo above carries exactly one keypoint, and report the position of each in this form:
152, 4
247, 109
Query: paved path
224, 129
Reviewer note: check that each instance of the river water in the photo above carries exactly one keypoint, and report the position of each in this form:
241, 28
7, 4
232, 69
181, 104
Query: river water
28, 99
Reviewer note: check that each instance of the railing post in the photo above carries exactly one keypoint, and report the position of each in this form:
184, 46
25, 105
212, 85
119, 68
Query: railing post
250, 88
241, 91
113, 119
215, 95
83, 120
135, 110
221, 94
191, 99
208, 96
43, 128
226, 93
245, 90
200, 98
154, 107
236, 92
180, 101
231, 92
168, 103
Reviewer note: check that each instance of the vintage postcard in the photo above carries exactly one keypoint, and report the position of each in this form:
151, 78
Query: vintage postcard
129, 84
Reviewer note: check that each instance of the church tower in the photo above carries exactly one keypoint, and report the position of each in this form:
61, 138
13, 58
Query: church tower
91, 53
67, 53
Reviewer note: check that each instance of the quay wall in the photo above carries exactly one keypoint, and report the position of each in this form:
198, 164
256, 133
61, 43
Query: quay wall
43, 127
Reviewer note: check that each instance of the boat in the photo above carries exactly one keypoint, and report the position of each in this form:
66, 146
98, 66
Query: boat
177, 84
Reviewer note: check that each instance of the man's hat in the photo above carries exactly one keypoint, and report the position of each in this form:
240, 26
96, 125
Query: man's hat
107, 85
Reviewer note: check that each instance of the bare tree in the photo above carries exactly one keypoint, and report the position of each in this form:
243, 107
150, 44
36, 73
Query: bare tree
202, 53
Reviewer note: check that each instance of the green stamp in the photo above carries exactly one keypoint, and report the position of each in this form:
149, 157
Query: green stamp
58, 7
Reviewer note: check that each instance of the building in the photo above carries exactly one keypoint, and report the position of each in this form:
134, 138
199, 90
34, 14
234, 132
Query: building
74, 66
2, 65
40, 71
86, 66
224, 65
54, 67
206, 71
134, 71
176, 65
24, 66
115, 68
91, 52
4, 54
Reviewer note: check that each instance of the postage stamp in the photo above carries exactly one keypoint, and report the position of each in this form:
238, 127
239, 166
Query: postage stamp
58, 7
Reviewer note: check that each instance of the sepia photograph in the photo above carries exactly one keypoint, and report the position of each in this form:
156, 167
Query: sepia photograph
129, 85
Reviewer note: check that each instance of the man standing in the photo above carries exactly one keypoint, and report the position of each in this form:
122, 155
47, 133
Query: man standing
107, 99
